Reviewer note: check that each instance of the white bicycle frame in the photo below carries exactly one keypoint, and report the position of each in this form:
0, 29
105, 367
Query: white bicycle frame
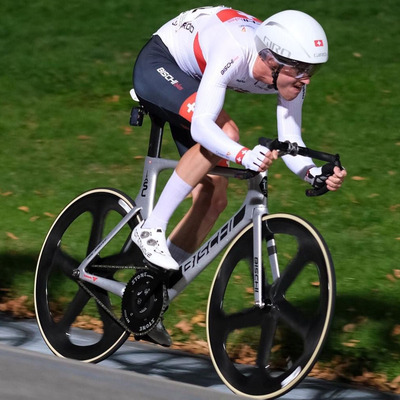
253, 208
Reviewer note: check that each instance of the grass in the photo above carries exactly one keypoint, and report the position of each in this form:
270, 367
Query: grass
66, 74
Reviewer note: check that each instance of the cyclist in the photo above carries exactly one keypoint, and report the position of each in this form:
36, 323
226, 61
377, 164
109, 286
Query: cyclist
182, 75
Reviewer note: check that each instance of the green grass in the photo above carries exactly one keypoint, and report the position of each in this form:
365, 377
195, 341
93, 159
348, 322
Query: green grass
64, 83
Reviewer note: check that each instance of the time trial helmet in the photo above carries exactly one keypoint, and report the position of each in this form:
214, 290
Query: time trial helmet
295, 39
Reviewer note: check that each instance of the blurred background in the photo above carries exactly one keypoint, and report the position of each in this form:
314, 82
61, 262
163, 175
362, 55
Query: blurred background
65, 76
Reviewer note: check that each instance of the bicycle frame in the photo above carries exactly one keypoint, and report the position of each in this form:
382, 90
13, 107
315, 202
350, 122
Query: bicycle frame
252, 209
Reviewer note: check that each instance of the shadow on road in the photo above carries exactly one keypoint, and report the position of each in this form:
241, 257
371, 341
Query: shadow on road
174, 365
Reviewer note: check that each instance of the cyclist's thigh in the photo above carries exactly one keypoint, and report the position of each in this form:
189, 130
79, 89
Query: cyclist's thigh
182, 138
162, 86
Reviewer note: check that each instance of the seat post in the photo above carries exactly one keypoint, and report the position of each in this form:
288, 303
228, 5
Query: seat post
156, 136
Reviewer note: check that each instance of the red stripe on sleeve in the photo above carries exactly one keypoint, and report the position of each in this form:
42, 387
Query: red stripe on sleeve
199, 54
227, 14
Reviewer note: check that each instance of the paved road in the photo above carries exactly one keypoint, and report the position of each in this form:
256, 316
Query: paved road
28, 370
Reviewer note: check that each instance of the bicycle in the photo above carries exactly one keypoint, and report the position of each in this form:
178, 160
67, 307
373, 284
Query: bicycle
273, 292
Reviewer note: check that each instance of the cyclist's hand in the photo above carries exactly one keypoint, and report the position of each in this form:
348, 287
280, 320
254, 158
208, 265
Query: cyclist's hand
334, 182
259, 159
329, 175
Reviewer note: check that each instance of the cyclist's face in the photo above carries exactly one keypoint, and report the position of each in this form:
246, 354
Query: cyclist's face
289, 82
289, 86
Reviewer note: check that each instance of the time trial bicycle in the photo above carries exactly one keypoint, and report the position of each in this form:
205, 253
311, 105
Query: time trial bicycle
272, 296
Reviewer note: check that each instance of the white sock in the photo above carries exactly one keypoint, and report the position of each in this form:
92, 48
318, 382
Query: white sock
178, 254
172, 195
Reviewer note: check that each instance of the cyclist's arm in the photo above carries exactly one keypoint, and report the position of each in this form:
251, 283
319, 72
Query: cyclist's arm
209, 103
289, 116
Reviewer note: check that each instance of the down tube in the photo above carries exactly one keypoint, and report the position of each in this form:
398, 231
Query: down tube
199, 260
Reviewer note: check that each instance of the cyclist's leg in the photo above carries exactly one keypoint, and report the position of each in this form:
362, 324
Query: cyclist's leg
166, 90
209, 198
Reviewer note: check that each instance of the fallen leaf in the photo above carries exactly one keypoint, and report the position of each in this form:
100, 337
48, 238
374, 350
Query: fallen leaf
127, 130
316, 283
47, 214
357, 55
331, 100
391, 278
199, 318
396, 273
349, 328
34, 218
6, 194
17, 307
358, 178
184, 326
113, 99
84, 137
351, 343
396, 330
396, 380
276, 348
394, 207
24, 209
12, 236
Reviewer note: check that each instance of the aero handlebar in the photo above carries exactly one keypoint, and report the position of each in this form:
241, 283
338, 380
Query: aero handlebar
294, 149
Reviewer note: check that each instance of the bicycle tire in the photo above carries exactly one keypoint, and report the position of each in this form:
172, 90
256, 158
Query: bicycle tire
60, 302
265, 352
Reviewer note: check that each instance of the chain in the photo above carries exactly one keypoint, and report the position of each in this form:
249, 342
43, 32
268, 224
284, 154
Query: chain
104, 307
116, 267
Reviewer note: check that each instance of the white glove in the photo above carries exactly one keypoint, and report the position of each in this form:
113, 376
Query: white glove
253, 158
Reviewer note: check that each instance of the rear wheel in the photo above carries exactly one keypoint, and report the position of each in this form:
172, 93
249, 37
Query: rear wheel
62, 304
265, 352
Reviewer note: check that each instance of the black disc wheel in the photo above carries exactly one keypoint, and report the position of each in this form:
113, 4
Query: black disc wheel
61, 303
264, 352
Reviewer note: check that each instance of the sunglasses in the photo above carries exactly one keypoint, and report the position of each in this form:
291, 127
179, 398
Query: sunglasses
293, 68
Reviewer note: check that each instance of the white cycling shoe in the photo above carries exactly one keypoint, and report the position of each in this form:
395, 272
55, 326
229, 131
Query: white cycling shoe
154, 247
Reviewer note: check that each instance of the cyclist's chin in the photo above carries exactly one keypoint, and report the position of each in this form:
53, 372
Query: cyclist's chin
290, 92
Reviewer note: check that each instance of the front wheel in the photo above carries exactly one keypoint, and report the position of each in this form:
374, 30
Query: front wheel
263, 352
61, 302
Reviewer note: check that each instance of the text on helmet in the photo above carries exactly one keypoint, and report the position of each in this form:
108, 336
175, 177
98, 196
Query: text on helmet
276, 48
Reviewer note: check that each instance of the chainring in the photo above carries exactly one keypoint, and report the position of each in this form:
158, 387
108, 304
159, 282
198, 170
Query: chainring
144, 301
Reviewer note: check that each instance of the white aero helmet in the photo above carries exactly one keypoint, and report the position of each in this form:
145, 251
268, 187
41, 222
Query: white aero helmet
293, 35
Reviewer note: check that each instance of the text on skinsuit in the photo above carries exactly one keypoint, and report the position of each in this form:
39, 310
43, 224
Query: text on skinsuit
169, 78
228, 65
